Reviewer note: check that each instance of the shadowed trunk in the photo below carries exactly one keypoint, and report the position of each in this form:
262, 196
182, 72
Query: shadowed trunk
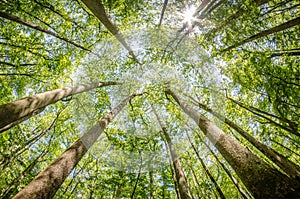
98, 10
281, 27
46, 184
163, 12
17, 111
235, 182
261, 179
20, 120
180, 176
289, 167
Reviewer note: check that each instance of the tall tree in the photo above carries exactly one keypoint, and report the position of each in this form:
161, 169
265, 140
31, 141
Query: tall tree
281, 27
48, 182
288, 167
180, 175
98, 10
261, 179
17, 111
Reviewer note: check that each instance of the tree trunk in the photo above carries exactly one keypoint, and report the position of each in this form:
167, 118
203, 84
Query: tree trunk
137, 178
235, 182
98, 10
163, 12
14, 112
281, 27
211, 8
220, 193
289, 167
21, 119
292, 128
180, 176
196, 182
172, 171
36, 27
151, 185
261, 179
46, 184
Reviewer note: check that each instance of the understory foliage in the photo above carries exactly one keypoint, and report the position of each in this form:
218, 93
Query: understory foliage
225, 58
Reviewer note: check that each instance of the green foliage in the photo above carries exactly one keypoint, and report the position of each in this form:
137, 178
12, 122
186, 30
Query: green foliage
263, 74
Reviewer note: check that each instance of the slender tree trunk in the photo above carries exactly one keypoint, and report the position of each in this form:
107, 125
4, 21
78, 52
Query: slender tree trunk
211, 8
137, 178
281, 27
292, 128
196, 182
98, 10
151, 184
235, 182
289, 167
180, 176
203, 4
277, 54
220, 193
280, 144
163, 12
36, 27
172, 170
14, 112
48, 181
261, 179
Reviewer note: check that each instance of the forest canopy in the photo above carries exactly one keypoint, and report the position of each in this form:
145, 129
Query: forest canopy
149, 99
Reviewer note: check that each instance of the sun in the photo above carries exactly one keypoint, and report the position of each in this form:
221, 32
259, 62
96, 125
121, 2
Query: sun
188, 15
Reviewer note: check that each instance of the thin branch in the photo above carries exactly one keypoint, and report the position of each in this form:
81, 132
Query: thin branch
36, 27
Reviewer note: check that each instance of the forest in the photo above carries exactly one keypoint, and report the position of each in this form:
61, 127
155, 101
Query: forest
116, 99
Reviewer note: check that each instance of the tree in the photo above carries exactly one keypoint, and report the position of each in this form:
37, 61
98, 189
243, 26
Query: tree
47, 182
20, 110
242, 160
287, 166
248, 95
180, 176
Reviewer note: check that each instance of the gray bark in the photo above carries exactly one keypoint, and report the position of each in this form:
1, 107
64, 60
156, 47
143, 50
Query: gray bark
14, 112
45, 185
261, 179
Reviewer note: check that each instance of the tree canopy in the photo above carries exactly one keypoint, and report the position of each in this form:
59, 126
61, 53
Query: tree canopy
158, 99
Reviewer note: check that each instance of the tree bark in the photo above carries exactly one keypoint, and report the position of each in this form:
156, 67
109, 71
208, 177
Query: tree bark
20, 120
180, 176
288, 167
14, 112
235, 182
46, 184
261, 179
36, 27
172, 171
97, 8
281, 27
